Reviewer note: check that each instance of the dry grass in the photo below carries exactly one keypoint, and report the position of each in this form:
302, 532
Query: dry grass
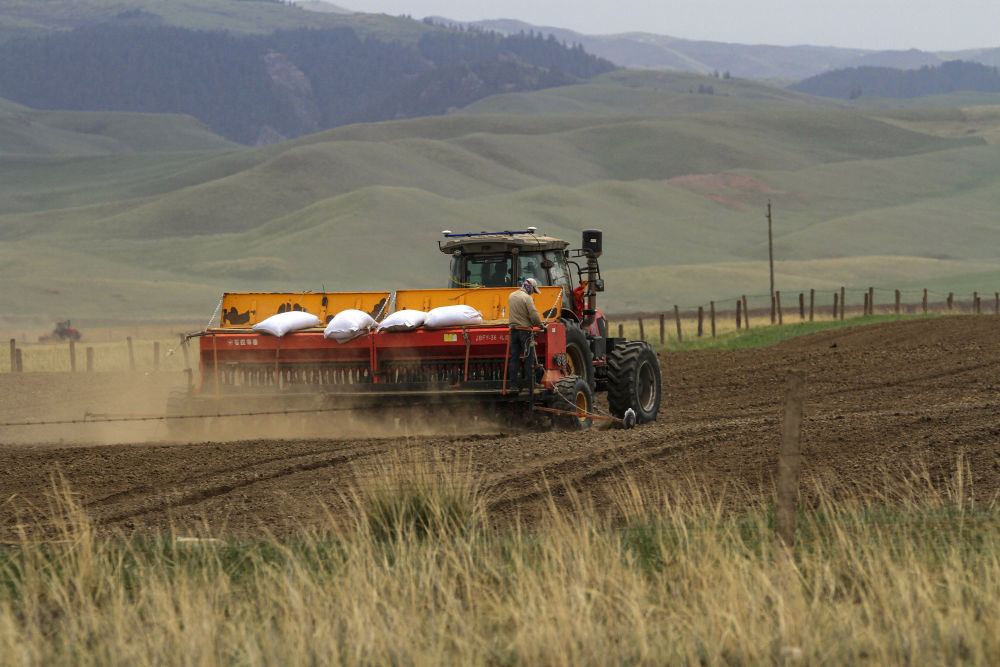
110, 349
908, 579
111, 356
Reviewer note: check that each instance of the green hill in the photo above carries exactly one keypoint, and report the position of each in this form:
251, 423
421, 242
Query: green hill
647, 93
860, 197
25, 131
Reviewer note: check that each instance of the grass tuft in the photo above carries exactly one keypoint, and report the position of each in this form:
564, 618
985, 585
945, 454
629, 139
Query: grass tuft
421, 500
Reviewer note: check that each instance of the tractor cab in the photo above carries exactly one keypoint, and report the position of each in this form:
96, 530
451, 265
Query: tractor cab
505, 259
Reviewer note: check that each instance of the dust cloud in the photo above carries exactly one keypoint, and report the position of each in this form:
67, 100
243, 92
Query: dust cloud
123, 408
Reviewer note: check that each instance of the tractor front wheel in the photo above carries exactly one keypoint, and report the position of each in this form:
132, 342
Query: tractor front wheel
573, 394
578, 353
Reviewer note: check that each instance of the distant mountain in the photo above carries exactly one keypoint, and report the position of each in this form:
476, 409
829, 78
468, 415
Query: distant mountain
321, 6
990, 57
651, 51
260, 89
911, 59
856, 82
788, 63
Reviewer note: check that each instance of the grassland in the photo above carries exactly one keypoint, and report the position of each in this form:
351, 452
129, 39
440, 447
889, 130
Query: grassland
110, 356
26, 131
678, 181
760, 334
418, 574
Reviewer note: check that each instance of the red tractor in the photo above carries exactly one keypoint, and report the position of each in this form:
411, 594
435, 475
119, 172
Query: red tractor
63, 332
627, 370
243, 371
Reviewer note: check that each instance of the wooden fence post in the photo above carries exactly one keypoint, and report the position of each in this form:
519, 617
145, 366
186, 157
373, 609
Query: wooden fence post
802, 306
19, 360
90, 360
746, 313
739, 314
835, 306
156, 355
774, 309
663, 331
131, 354
677, 316
701, 321
996, 307
951, 300
924, 304
790, 460
812, 303
13, 355
866, 304
642, 330
897, 302
871, 300
776, 305
975, 302
843, 303
72, 356
621, 330
711, 310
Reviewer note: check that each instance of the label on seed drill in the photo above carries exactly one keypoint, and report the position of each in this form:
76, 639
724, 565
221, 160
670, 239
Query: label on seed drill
451, 338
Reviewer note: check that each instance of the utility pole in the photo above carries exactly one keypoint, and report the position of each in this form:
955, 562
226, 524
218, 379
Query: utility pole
770, 247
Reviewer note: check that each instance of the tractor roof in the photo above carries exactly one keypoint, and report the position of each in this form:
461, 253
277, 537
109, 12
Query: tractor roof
499, 242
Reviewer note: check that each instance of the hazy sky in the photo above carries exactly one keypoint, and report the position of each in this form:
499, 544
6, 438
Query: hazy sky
869, 24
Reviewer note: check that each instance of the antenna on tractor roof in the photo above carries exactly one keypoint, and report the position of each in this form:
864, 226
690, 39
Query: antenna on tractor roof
506, 232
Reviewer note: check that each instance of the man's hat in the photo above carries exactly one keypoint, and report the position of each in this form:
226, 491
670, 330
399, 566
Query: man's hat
534, 285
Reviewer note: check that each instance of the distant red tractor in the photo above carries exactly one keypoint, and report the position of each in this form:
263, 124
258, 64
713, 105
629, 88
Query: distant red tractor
63, 332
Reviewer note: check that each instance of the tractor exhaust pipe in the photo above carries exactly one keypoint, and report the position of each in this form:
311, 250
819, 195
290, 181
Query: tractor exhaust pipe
593, 240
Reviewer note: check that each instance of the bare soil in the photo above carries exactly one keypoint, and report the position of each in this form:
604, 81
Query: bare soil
882, 401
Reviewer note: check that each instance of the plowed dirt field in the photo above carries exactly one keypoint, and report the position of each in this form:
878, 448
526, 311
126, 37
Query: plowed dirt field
917, 395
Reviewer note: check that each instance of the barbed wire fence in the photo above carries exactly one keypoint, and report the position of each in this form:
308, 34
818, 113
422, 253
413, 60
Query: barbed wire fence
746, 311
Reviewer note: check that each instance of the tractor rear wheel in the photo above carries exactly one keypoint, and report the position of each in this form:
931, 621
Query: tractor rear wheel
573, 394
634, 381
578, 353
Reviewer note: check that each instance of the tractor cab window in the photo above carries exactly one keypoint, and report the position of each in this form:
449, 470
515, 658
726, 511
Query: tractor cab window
485, 270
559, 275
531, 266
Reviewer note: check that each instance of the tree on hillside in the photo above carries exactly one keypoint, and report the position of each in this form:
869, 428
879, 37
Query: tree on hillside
263, 88
949, 77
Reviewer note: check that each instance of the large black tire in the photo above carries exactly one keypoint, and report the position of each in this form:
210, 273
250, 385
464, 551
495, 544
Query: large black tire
578, 352
572, 393
634, 381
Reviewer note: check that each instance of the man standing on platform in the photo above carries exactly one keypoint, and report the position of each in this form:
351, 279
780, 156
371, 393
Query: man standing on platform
522, 316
